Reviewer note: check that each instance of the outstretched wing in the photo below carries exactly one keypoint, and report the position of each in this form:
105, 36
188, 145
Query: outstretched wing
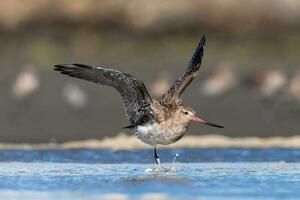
172, 96
135, 96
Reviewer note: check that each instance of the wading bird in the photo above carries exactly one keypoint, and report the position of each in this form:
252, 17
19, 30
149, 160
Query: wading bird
153, 122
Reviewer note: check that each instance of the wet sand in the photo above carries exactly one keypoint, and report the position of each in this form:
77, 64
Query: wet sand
190, 141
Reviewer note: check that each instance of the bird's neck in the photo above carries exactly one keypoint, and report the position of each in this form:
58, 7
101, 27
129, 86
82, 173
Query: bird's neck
163, 113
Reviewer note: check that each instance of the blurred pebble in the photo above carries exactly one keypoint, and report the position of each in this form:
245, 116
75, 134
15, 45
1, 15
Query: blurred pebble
26, 83
219, 82
294, 87
75, 96
268, 82
161, 84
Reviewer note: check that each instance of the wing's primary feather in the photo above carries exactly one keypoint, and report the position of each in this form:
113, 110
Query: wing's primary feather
135, 96
172, 96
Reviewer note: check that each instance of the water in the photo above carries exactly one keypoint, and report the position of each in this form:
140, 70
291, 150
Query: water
201, 173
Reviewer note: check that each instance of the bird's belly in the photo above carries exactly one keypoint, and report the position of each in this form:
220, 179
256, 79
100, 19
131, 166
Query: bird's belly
155, 134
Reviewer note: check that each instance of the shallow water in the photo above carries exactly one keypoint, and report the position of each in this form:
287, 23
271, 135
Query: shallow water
231, 173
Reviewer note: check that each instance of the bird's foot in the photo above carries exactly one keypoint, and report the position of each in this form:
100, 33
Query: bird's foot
161, 169
158, 162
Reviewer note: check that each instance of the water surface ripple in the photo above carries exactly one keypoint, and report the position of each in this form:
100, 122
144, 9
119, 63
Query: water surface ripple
208, 173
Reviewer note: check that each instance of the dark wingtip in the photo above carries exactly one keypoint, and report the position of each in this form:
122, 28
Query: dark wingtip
69, 68
60, 67
57, 67
202, 40
198, 54
74, 65
64, 68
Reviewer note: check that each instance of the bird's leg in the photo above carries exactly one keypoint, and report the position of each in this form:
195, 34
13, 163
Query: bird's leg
157, 160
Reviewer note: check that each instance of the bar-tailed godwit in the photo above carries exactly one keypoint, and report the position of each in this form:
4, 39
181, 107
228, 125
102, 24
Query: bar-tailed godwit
155, 122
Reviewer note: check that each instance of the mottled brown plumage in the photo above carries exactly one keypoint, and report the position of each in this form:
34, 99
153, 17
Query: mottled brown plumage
135, 96
154, 122
172, 97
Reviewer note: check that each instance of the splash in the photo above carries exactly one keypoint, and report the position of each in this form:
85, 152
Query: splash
162, 170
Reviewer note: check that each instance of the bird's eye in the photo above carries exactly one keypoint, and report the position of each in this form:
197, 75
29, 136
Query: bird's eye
185, 112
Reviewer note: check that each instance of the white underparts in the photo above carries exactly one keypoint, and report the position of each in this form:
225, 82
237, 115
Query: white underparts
163, 133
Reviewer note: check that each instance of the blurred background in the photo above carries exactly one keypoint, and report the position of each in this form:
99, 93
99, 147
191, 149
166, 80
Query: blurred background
249, 81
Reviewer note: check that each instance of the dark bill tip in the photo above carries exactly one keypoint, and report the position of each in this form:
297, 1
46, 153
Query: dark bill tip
214, 125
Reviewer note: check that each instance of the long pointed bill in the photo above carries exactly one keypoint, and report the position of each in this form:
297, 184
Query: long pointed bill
202, 121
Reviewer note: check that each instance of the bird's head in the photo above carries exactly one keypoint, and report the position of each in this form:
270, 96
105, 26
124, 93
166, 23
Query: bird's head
187, 114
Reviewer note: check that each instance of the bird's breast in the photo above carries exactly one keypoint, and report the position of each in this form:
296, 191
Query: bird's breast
160, 133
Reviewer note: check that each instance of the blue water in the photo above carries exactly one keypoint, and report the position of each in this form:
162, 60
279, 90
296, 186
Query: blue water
212, 173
